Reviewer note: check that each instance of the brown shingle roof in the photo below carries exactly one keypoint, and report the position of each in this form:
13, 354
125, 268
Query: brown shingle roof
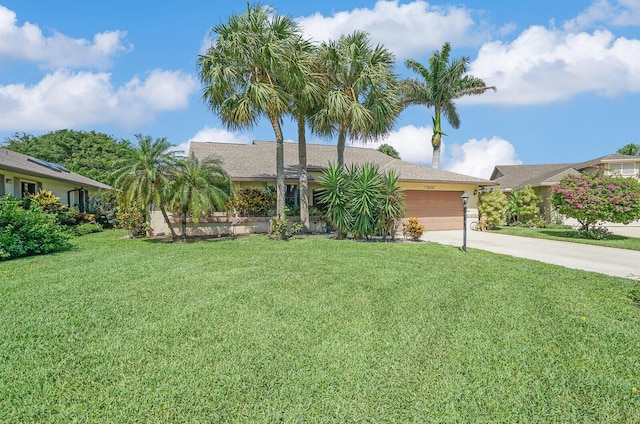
31, 166
256, 161
515, 177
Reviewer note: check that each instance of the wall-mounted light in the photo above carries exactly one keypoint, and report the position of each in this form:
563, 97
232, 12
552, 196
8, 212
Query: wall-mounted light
8, 180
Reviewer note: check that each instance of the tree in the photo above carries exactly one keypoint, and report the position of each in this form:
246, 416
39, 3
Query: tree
389, 150
493, 206
249, 72
87, 153
630, 150
442, 83
594, 198
523, 205
199, 188
143, 176
306, 101
360, 90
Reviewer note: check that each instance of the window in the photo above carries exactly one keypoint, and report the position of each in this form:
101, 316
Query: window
27, 188
625, 169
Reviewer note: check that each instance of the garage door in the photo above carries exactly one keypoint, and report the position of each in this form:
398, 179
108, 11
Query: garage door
437, 210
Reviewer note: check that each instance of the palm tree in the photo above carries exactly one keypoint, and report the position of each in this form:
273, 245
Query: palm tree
142, 177
199, 188
250, 70
441, 84
630, 149
361, 99
307, 99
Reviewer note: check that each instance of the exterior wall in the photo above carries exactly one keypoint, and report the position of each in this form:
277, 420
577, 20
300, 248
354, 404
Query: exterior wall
10, 184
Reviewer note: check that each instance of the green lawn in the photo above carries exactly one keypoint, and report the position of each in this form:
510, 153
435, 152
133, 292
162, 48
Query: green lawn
311, 330
563, 234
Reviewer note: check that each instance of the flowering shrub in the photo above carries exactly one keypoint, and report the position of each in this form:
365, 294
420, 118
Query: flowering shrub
594, 198
254, 201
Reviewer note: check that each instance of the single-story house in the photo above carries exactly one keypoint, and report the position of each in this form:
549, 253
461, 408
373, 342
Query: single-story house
542, 177
21, 175
432, 195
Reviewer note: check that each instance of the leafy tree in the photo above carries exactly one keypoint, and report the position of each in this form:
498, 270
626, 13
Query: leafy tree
87, 153
389, 150
360, 90
493, 206
442, 83
254, 63
199, 188
594, 198
630, 150
143, 176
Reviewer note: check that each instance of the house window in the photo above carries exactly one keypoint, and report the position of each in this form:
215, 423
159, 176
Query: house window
625, 169
27, 188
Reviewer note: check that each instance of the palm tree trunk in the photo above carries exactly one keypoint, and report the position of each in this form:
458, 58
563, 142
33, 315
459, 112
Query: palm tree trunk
280, 186
184, 225
166, 220
342, 141
436, 139
304, 178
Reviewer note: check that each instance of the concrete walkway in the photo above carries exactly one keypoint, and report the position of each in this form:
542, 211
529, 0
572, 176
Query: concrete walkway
604, 260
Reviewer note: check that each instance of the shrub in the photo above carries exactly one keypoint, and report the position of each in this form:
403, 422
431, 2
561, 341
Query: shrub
25, 232
361, 200
493, 206
523, 205
280, 228
413, 229
84, 229
131, 218
254, 201
104, 206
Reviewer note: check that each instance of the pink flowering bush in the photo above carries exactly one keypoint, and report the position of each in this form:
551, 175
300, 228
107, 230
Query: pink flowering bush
595, 198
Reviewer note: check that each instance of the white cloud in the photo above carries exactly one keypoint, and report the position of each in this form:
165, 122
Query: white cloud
478, 157
412, 143
28, 43
407, 29
217, 135
621, 13
544, 65
66, 99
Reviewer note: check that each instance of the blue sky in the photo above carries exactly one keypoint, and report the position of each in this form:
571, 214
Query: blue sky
567, 72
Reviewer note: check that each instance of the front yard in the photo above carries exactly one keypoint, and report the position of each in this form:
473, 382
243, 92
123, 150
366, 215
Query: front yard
311, 330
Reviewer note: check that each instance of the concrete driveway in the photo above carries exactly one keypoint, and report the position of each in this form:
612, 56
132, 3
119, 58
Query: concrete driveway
604, 260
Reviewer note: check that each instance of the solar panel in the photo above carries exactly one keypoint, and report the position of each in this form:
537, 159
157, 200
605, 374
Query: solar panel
50, 165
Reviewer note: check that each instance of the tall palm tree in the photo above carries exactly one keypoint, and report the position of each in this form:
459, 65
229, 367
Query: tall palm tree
361, 99
441, 84
306, 100
199, 188
142, 177
249, 71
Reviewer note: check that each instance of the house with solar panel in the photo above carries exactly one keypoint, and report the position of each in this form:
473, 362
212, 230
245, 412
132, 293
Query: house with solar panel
22, 175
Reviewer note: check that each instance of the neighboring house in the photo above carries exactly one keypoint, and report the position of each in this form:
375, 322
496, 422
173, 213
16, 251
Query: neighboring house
21, 175
542, 177
432, 195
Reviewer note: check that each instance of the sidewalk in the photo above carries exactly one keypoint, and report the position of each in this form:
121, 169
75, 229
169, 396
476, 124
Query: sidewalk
604, 260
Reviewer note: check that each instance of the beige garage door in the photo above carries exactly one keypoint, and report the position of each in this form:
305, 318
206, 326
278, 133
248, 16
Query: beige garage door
437, 210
